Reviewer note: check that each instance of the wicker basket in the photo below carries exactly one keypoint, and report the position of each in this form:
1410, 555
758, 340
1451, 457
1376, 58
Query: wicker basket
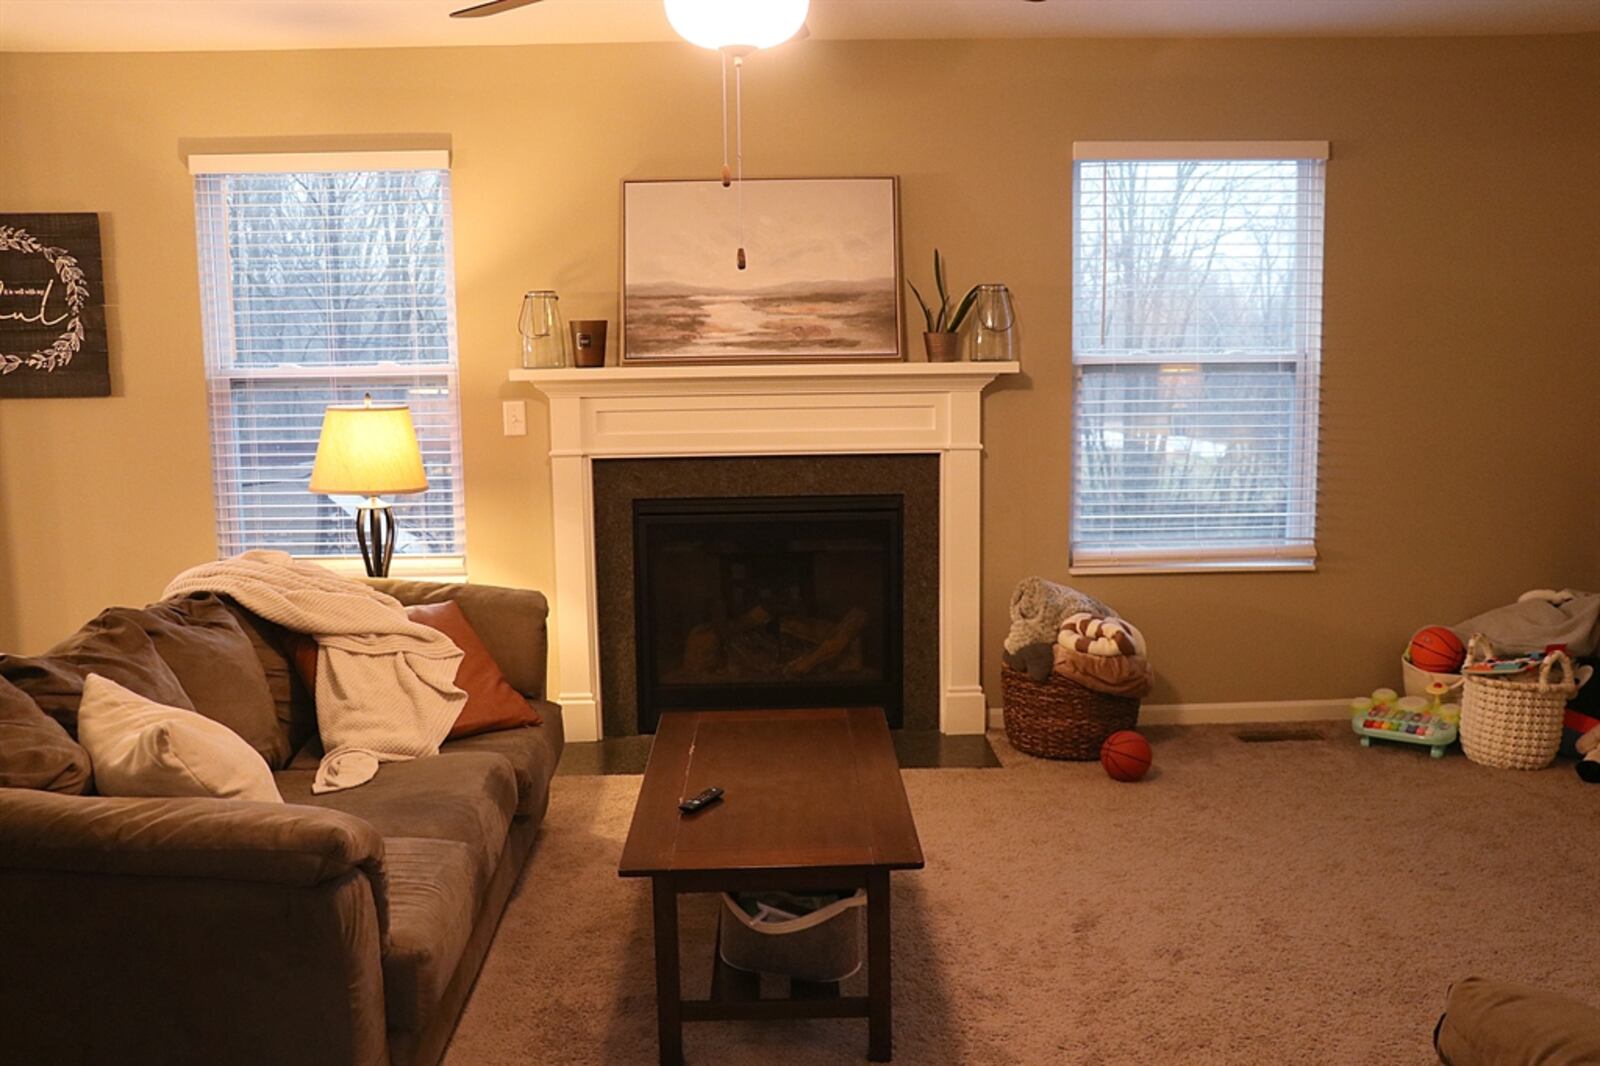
1061, 719
1515, 723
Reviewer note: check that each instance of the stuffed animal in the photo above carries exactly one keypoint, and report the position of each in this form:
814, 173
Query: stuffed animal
1589, 748
1084, 632
1038, 607
1115, 675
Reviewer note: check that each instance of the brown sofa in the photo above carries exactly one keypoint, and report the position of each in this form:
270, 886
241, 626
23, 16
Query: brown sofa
344, 928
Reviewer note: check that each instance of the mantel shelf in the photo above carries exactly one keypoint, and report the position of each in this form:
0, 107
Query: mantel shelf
961, 376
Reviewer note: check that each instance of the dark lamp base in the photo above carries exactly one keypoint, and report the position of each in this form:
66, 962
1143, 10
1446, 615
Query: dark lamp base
375, 534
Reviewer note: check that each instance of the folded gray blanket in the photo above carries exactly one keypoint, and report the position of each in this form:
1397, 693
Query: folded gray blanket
1038, 608
1539, 619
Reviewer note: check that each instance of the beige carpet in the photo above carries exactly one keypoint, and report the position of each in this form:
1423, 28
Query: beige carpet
1248, 903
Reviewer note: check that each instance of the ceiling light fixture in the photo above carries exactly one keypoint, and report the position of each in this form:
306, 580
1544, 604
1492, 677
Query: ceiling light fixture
735, 28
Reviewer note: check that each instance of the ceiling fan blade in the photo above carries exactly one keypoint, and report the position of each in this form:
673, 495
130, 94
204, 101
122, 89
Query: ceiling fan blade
493, 7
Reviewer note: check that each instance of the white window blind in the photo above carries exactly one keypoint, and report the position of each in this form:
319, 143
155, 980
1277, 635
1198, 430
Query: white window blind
324, 278
1197, 318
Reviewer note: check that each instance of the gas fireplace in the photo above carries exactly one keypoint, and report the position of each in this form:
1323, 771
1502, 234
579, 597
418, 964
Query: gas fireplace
751, 602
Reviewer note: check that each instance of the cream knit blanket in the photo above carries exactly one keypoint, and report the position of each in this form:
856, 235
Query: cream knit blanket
385, 684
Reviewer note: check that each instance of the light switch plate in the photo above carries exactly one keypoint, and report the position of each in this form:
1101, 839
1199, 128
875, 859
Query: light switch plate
515, 415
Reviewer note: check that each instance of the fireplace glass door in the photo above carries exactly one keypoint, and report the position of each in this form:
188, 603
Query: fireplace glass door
768, 602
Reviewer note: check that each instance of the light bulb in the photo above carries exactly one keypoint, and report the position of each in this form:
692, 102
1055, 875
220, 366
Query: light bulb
736, 24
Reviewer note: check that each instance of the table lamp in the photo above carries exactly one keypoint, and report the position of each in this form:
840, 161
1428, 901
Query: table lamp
370, 451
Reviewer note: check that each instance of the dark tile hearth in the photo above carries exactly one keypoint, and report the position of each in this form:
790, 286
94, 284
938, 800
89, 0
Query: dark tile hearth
917, 750
922, 749
613, 755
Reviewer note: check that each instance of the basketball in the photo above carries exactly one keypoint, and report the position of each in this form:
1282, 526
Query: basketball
1125, 755
1437, 650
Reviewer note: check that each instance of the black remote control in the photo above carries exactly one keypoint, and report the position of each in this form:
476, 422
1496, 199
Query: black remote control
701, 800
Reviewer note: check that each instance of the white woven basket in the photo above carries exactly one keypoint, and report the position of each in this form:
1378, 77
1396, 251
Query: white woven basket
1514, 723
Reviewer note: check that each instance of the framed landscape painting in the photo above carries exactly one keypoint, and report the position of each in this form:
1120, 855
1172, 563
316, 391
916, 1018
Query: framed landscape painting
820, 281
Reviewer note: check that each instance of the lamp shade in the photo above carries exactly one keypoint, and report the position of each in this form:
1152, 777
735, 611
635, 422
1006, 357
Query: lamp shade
737, 24
368, 451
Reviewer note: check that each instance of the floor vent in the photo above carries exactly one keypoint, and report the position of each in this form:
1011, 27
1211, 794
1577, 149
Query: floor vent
1271, 736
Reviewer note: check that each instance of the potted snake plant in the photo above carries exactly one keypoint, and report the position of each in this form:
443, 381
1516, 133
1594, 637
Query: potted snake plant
941, 338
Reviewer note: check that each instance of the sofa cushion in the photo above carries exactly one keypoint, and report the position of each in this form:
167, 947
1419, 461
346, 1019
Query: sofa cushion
293, 704
218, 668
510, 621
433, 905
112, 645
469, 798
35, 752
142, 748
533, 754
491, 701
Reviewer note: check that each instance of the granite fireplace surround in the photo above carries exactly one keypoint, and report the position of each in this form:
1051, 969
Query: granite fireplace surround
619, 482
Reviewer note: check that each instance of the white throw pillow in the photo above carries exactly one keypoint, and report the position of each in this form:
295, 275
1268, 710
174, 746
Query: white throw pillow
143, 748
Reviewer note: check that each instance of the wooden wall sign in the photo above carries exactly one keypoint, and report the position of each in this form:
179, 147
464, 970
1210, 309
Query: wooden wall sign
52, 307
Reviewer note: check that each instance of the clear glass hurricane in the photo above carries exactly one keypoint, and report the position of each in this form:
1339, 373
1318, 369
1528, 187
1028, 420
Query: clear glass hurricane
992, 335
544, 335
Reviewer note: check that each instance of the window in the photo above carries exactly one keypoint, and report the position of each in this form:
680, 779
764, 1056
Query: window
1197, 311
324, 278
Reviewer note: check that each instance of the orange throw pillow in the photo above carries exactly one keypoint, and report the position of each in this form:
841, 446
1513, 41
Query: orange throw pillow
491, 701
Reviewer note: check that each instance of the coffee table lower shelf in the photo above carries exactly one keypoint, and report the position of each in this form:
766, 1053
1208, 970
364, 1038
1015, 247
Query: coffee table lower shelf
732, 996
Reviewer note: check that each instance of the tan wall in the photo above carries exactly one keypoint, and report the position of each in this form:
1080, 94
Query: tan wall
1461, 384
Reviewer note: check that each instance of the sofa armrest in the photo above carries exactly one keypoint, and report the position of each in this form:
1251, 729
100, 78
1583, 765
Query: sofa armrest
225, 840
510, 622
155, 931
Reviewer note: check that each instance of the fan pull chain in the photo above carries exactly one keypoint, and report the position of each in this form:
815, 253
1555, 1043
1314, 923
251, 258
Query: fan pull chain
727, 178
738, 143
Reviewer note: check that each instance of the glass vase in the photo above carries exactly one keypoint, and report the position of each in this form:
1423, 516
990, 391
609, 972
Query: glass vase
993, 336
544, 336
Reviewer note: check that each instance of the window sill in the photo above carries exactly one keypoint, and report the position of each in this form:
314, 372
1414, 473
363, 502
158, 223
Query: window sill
1192, 566
447, 570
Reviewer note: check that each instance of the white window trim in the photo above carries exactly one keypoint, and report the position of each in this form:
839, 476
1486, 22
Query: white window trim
1162, 151
1233, 559
267, 162
1263, 558
441, 568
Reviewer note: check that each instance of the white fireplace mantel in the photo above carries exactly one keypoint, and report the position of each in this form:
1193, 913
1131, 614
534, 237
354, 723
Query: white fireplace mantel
807, 409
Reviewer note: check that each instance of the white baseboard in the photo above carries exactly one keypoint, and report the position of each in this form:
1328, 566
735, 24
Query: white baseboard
1227, 713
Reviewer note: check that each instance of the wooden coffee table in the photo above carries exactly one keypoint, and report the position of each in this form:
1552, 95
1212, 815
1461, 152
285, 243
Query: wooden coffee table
813, 800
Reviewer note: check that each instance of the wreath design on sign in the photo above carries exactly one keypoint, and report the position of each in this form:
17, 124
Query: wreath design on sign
60, 353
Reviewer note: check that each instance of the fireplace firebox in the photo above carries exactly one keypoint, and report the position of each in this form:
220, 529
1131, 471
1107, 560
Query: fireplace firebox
791, 601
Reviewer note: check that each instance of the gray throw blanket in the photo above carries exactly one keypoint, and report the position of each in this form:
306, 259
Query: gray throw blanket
385, 684
1539, 619
1038, 607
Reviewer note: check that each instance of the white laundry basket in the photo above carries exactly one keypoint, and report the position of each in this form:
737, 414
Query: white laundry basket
1416, 680
824, 945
